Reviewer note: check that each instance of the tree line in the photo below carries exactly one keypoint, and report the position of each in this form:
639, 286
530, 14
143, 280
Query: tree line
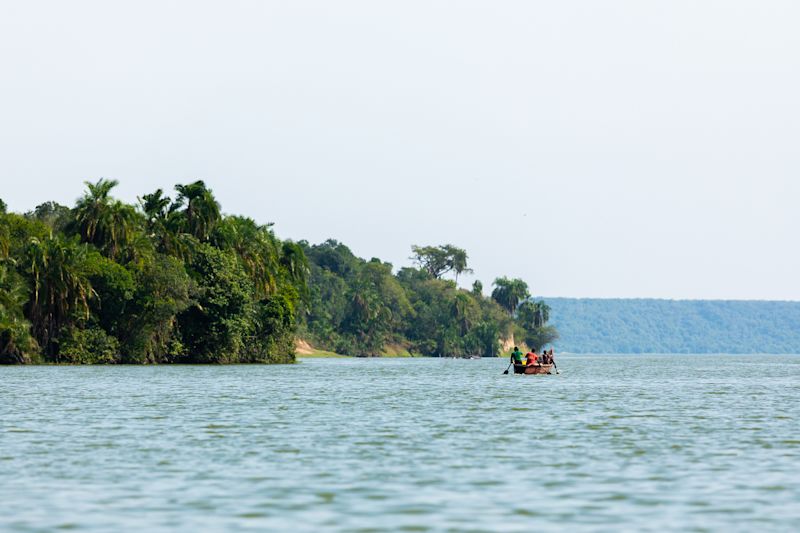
360, 307
172, 279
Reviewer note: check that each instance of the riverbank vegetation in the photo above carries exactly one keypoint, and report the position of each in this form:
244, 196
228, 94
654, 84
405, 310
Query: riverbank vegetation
174, 280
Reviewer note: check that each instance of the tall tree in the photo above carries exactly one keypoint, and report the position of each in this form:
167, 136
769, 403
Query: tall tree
477, 288
91, 214
165, 225
257, 249
440, 260
98, 219
53, 214
61, 288
201, 210
16, 342
509, 293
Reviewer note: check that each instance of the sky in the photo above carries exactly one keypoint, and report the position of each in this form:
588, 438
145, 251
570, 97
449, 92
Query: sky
593, 149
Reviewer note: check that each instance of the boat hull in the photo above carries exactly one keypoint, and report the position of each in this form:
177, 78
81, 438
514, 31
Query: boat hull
532, 369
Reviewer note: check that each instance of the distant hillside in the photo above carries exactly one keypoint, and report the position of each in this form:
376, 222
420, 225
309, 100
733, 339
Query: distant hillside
675, 326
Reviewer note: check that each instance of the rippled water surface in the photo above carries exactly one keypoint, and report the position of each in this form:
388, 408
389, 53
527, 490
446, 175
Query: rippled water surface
634, 442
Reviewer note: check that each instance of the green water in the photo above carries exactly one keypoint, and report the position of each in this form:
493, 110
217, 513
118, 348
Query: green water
635, 442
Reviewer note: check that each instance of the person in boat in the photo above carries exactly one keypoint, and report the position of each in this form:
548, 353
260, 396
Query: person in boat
545, 357
531, 358
516, 356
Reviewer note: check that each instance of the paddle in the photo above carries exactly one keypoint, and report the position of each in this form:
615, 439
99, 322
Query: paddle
509, 366
555, 366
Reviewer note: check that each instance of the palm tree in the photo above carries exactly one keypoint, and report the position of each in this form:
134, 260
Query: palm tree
255, 246
92, 210
16, 342
477, 288
509, 293
542, 313
154, 206
5, 241
106, 223
461, 312
61, 288
165, 225
202, 211
295, 265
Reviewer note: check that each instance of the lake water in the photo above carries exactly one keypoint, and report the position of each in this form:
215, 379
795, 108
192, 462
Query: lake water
613, 442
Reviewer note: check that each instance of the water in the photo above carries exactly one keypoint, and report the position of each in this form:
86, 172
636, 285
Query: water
647, 443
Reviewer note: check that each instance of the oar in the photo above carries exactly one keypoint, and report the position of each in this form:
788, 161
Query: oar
555, 366
509, 366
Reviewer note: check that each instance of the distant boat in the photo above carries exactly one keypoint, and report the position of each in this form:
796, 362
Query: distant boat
533, 369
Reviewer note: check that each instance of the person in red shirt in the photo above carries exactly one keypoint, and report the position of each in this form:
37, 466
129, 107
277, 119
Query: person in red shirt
531, 358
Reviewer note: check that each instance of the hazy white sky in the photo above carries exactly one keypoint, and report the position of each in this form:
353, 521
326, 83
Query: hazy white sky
608, 149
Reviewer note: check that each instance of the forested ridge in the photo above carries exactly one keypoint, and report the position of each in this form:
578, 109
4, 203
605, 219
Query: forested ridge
172, 279
676, 326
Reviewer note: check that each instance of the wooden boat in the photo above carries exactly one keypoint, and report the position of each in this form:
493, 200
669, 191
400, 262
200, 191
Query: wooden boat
533, 369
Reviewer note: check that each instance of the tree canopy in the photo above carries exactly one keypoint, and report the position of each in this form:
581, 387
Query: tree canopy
440, 260
167, 280
174, 280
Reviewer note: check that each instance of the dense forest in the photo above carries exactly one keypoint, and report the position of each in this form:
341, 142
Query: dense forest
676, 326
174, 280
360, 307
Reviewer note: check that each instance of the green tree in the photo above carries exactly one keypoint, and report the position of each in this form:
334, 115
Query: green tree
271, 337
61, 289
55, 215
439, 260
257, 249
477, 288
214, 329
163, 291
88, 346
16, 342
532, 317
295, 266
509, 293
165, 227
377, 305
201, 211
102, 221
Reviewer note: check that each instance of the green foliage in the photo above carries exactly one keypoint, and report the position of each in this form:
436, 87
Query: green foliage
113, 286
169, 281
439, 260
16, 343
61, 288
87, 346
532, 318
163, 290
509, 293
55, 215
271, 339
214, 329
477, 288
257, 249
106, 223
376, 306
358, 307
201, 211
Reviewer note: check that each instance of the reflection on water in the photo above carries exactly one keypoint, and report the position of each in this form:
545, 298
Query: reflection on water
650, 442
